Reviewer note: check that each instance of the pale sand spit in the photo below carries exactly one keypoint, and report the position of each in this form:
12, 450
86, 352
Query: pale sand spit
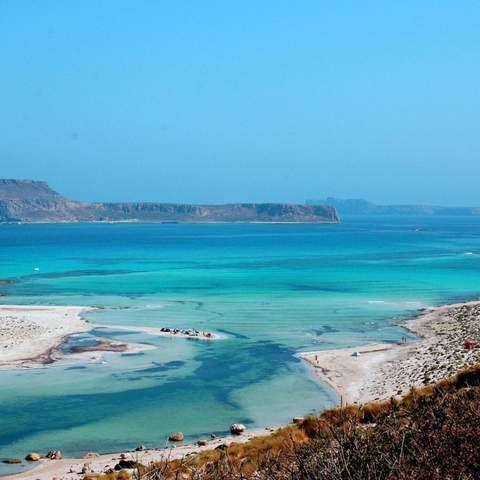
29, 335
171, 333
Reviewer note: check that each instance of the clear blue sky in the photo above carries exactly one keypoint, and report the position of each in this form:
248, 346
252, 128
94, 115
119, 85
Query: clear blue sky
219, 101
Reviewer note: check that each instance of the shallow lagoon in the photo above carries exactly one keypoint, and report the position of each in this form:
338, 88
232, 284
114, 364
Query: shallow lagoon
272, 290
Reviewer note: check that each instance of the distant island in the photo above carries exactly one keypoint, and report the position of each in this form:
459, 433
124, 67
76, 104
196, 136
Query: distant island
30, 201
364, 207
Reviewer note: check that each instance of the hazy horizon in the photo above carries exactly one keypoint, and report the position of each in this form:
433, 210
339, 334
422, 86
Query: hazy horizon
218, 102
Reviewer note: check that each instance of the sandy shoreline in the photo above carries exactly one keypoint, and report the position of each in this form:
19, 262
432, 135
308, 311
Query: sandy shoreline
384, 370
345, 373
71, 468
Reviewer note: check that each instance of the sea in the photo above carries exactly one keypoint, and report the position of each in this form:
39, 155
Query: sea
270, 290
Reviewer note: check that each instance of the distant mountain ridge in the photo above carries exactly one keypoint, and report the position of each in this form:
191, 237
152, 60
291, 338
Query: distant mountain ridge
364, 207
30, 201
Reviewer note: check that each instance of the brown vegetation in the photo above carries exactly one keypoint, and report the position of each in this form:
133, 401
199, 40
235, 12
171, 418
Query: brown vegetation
431, 433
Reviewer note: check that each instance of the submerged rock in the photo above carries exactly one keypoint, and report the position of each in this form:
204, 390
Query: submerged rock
12, 461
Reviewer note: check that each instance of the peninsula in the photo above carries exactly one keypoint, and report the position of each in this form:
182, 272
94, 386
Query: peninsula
29, 201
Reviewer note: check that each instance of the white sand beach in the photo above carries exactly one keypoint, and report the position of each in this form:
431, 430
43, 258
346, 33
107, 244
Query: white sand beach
29, 333
346, 373
380, 371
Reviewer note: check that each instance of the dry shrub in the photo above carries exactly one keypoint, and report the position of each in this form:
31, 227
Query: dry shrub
371, 412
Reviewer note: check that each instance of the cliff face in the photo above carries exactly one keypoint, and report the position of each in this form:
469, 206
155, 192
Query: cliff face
32, 201
363, 207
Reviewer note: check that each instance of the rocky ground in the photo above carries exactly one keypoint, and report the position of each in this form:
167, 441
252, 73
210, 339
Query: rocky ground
439, 353
15, 330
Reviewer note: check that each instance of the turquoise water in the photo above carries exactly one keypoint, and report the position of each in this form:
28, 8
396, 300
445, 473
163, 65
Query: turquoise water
273, 290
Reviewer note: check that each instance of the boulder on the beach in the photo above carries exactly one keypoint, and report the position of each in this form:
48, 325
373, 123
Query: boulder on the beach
202, 443
91, 455
237, 428
126, 464
54, 455
12, 461
176, 437
33, 457
298, 420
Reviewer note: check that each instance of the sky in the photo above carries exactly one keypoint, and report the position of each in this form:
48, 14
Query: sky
226, 101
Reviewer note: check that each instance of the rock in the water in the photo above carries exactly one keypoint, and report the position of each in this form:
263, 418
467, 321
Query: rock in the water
12, 461
126, 464
176, 437
237, 429
298, 420
140, 448
202, 443
33, 457
213, 436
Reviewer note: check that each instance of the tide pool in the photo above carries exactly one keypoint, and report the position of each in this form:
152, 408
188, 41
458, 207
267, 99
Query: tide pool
272, 290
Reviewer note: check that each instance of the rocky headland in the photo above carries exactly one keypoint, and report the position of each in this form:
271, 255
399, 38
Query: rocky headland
29, 201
